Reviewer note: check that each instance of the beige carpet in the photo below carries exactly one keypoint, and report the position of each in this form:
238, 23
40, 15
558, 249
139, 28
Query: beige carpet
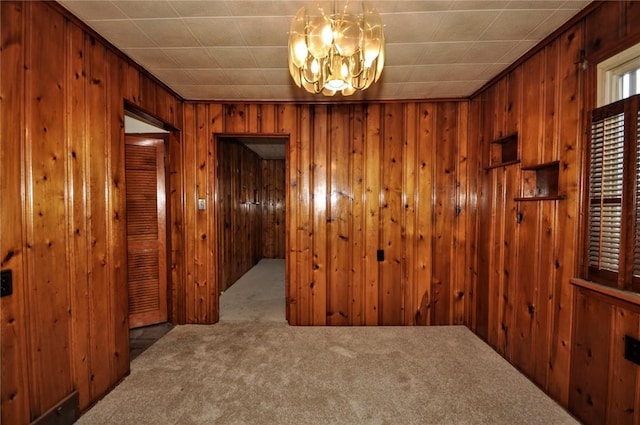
247, 372
257, 296
254, 369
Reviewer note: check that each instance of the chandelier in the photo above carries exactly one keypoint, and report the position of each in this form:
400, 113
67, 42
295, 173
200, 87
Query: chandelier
336, 52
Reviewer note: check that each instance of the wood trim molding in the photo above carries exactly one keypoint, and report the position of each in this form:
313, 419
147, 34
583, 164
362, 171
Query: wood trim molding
618, 294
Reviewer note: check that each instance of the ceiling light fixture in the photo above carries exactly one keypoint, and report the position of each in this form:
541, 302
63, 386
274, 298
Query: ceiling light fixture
336, 52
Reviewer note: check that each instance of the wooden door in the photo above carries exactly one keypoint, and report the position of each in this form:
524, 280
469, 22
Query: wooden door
146, 230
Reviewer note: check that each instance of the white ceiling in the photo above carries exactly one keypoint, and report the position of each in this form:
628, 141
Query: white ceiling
236, 50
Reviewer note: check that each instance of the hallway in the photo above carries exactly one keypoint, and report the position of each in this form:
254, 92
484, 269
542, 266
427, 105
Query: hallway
258, 296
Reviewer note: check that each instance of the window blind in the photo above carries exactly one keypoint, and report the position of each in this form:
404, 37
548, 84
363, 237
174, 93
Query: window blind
605, 187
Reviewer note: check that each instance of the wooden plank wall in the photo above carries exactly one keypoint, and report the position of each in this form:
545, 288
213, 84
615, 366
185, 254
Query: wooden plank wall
405, 177
273, 203
63, 207
604, 385
527, 252
363, 178
240, 223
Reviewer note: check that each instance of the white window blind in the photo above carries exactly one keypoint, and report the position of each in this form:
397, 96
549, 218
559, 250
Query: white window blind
613, 252
605, 209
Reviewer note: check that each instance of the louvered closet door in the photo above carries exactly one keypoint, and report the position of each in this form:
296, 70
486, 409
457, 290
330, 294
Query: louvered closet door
146, 231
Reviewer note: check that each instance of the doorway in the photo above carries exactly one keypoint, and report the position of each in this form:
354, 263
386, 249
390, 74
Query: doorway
147, 248
251, 211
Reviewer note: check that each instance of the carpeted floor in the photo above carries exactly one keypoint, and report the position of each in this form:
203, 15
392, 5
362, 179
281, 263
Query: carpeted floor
271, 373
258, 371
257, 296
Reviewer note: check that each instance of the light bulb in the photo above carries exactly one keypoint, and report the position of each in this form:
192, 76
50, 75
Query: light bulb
300, 50
327, 35
315, 66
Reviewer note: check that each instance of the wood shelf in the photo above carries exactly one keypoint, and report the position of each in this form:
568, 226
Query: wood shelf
540, 198
540, 182
502, 164
504, 151
544, 165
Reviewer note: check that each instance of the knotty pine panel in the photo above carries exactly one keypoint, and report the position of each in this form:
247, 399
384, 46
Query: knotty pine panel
528, 265
199, 305
98, 203
526, 284
116, 226
239, 177
623, 374
568, 144
479, 132
299, 295
604, 385
605, 28
547, 147
588, 396
408, 236
14, 391
557, 94
64, 240
45, 209
423, 231
444, 214
319, 207
272, 200
530, 134
345, 163
177, 224
470, 159
147, 94
357, 185
339, 217
392, 164
183, 225
372, 216
78, 212
548, 228
461, 238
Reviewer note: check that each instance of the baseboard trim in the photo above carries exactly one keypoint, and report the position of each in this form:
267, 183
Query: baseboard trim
63, 413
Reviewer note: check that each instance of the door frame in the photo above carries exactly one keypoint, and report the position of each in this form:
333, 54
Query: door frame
173, 135
215, 139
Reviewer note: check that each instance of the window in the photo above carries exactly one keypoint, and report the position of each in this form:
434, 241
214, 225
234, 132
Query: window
627, 83
614, 195
619, 76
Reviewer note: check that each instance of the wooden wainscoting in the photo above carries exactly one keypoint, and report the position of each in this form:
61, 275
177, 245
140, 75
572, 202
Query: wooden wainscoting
604, 385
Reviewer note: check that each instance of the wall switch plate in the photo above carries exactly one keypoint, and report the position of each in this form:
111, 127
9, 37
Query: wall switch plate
201, 204
6, 283
380, 255
632, 349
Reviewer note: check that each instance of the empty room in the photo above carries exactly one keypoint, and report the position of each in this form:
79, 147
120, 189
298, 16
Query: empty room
345, 212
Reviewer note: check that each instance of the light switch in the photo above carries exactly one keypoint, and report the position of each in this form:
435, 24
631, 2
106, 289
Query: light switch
201, 204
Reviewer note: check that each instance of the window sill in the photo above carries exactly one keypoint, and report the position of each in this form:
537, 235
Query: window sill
619, 294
